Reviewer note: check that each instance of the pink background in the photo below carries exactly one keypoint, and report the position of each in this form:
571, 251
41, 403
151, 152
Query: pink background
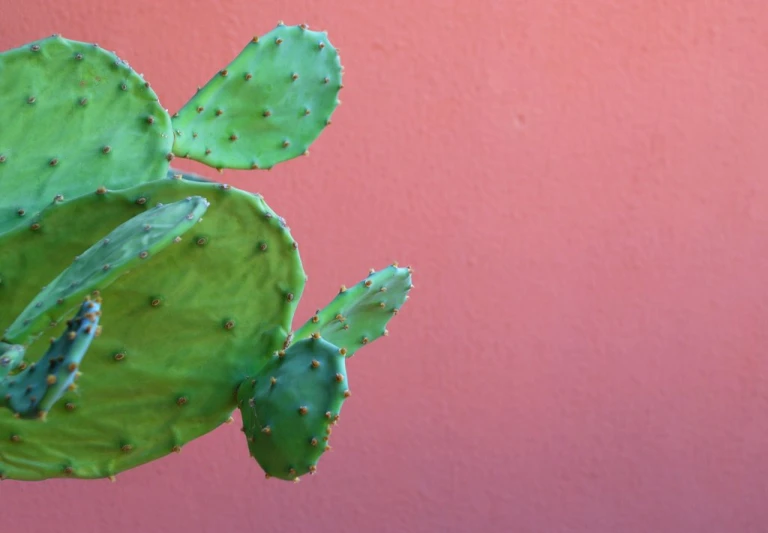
581, 187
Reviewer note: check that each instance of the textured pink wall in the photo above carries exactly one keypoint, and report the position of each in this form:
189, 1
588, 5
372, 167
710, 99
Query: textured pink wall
582, 187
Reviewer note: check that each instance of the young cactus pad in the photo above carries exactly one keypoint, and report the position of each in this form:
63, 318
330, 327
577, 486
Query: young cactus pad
359, 315
37, 388
71, 113
180, 335
289, 406
267, 106
133, 242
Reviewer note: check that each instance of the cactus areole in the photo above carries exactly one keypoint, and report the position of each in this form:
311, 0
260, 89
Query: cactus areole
141, 306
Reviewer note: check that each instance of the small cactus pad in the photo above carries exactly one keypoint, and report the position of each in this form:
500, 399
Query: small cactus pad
180, 333
32, 392
358, 315
11, 357
267, 106
74, 117
134, 242
289, 407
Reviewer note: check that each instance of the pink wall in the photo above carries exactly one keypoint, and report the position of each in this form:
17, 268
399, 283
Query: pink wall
582, 188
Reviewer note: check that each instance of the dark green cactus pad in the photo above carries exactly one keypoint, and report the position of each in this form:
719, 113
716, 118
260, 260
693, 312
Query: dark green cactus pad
359, 315
288, 408
179, 334
133, 242
74, 117
267, 106
32, 392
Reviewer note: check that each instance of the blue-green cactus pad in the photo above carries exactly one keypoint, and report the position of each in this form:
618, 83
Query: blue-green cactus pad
32, 392
289, 407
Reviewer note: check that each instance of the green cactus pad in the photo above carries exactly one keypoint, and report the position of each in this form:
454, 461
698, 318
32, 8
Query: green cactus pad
32, 392
267, 106
288, 408
133, 242
180, 333
74, 117
358, 315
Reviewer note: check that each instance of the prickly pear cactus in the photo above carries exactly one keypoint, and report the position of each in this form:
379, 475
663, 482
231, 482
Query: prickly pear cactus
196, 282
112, 256
33, 391
358, 315
180, 331
267, 106
289, 407
73, 113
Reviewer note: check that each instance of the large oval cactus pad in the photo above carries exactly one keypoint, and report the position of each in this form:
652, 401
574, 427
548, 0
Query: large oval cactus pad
267, 106
134, 242
74, 117
187, 330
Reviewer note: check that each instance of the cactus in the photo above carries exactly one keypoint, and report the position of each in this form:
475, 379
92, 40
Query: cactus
358, 316
32, 392
112, 256
265, 107
182, 331
200, 307
72, 112
289, 407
